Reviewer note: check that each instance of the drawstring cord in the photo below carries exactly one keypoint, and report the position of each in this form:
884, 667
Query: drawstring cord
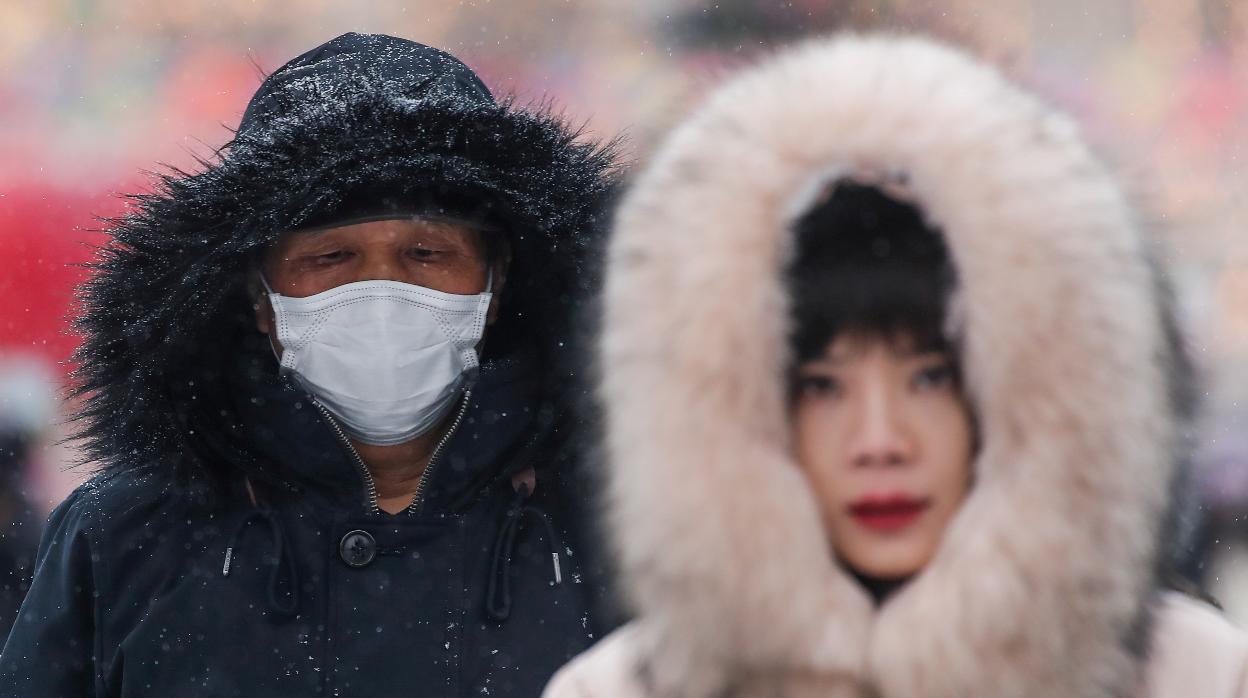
285, 560
498, 592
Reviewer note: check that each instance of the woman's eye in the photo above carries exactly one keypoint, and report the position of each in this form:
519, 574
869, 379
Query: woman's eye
934, 377
817, 385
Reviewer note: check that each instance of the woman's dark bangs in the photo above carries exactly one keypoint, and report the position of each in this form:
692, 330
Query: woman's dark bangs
867, 264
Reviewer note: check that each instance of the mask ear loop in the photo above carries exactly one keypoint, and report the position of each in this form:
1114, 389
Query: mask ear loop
273, 330
488, 295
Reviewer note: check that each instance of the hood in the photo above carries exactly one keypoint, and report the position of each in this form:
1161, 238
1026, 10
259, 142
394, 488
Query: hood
1042, 582
166, 315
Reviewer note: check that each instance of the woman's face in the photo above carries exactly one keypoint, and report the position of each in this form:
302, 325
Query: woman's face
885, 437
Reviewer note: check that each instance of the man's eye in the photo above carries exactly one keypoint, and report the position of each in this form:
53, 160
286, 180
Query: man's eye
331, 257
934, 377
423, 253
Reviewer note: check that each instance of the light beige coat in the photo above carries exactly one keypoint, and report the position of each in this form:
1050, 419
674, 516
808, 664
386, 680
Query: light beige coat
1044, 583
1196, 653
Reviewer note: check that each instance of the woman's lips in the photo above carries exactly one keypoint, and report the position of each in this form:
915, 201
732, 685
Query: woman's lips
887, 512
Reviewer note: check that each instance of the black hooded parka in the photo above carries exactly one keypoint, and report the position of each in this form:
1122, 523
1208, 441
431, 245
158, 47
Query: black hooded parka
230, 544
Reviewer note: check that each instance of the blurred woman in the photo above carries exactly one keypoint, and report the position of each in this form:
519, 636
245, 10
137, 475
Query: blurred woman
894, 402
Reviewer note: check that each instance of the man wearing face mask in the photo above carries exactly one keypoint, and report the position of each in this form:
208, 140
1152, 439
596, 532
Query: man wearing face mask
330, 384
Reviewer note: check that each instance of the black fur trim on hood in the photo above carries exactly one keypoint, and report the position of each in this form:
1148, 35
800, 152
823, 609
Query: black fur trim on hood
166, 312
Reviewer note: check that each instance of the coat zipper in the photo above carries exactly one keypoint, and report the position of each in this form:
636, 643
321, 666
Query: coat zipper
370, 486
419, 500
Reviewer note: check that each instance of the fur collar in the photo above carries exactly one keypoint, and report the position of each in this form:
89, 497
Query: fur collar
1042, 583
166, 315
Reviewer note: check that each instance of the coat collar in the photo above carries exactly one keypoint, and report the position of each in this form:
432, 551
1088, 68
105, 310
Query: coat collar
286, 431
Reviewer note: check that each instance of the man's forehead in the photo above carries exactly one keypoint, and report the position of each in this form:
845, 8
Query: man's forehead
440, 226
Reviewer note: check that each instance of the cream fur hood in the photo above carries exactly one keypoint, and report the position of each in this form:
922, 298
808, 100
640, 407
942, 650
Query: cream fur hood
1044, 580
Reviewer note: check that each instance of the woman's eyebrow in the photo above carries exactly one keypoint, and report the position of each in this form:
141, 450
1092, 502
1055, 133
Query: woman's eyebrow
913, 353
825, 361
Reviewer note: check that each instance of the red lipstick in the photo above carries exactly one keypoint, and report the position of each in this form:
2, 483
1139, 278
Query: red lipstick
887, 512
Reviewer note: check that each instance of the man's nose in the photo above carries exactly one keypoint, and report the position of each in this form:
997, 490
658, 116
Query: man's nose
380, 267
882, 435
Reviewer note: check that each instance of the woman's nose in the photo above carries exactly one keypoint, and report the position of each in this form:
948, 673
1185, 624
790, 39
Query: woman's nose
881, 436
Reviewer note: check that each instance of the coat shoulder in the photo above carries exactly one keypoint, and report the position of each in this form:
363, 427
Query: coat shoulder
1196, 651
112, 504
609, 669
114, 496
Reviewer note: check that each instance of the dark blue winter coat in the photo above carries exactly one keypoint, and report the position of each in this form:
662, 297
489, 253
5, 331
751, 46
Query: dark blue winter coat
229, 545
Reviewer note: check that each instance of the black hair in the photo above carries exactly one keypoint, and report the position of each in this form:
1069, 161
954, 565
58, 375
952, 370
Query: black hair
867, 263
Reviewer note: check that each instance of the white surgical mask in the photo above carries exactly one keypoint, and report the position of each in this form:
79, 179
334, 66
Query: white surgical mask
389, 360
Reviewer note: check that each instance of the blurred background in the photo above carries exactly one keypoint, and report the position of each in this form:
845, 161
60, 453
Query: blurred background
96, 94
